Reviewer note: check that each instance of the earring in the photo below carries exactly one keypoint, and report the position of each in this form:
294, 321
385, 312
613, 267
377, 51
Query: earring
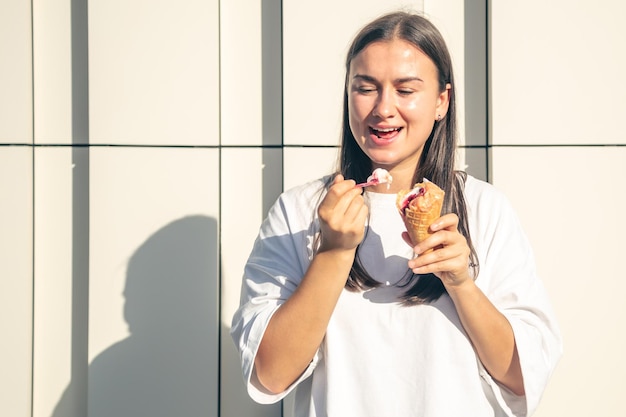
438, 117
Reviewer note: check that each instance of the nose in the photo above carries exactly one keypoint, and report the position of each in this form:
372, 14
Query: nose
385, 104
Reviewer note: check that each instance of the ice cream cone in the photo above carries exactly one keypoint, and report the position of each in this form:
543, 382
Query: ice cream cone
420, 208
417, 223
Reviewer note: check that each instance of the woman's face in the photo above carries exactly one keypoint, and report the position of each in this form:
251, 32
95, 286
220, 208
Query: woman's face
393, 103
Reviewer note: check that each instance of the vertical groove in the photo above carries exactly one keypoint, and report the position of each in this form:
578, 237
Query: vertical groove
272, 101
282, 100
282, 127
219, 219
80, 205
488, 139
32, 166
476, 87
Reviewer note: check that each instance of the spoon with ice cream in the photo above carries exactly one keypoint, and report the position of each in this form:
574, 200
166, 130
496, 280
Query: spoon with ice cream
379, 176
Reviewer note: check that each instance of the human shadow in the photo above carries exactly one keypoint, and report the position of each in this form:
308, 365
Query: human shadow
168, 365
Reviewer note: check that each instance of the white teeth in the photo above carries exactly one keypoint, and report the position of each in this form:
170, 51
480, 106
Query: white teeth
390, 129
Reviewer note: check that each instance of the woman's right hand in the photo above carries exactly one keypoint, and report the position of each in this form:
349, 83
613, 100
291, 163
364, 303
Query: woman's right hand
297, 328
342, 214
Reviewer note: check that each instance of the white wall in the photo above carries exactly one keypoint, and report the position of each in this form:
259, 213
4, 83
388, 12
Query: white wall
557, 106
120, 261
16, 208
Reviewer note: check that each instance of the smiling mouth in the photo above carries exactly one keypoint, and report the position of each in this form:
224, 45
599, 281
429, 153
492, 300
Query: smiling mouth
385, 133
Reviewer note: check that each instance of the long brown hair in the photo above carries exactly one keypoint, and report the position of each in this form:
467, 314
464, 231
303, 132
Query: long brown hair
437, 162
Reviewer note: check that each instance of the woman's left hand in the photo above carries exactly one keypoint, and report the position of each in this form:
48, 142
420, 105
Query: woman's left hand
449, 259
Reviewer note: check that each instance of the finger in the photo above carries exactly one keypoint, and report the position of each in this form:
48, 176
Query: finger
349, 204
341, 183
448, 221
340, 188
444, 244
354, 221
432, 242
423, 246
437, 254
337, 192
347, 216
439, 261
356, 208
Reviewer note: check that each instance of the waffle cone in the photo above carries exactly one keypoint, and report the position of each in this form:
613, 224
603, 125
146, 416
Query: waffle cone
422, 211
417, 223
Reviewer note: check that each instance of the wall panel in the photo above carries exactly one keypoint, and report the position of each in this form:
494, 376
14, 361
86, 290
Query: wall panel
251, 182
53, 279
154, 72
16, 279
572, 220
245, 27
555, 71
475, 162
16, 116
153, 282
16, 208
307, 164
52, 71
551, 66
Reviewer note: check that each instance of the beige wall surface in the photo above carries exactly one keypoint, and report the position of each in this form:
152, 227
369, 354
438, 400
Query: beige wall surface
16, 280
574, 224
16, 208
154, 72
556, 70
559, 153
16, 76
142, 143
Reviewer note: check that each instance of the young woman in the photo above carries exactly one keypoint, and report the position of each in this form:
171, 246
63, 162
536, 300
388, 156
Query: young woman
339, 304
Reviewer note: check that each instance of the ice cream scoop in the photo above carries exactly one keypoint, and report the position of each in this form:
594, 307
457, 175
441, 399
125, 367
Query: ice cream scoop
379, 176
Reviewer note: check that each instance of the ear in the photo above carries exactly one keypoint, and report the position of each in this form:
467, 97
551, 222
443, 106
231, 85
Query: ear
443, 101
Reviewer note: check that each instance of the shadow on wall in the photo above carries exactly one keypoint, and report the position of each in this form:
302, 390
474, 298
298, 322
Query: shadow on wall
168, 366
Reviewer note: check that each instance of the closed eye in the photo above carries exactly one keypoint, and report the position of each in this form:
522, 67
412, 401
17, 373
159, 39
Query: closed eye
366, 90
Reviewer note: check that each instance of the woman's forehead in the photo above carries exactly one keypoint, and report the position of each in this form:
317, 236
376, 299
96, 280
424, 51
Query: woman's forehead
396, 57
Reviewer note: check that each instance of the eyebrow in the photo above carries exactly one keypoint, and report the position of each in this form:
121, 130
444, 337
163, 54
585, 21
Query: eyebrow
396, 81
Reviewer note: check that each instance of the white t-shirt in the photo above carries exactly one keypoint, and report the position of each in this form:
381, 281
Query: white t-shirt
381, 358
